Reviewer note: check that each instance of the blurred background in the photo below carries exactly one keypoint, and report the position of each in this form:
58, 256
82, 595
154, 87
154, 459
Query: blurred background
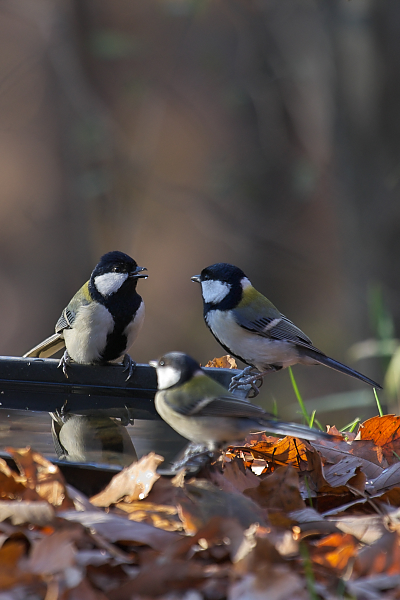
265, 133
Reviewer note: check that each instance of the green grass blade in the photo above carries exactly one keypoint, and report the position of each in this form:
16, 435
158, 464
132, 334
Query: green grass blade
378, 403
351, 426
298, 396
312, 418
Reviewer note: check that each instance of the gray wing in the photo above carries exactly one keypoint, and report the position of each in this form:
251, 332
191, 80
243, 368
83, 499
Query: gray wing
55, 342
220, 406
66, 320
276, 327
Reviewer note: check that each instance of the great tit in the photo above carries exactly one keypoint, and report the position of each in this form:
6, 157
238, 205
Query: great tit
204, 412
251, 328
91, 438
103, 319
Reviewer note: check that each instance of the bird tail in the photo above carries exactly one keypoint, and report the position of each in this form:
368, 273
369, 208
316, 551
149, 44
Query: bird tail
294, 430
47, 348
338, 366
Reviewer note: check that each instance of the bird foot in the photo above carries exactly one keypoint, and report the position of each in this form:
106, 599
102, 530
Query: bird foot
65, 362
129, 366
192, 459
249, 376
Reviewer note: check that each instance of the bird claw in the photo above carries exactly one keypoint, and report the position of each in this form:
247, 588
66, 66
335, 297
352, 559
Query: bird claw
192, 459
65, 362
129, 365
249, 376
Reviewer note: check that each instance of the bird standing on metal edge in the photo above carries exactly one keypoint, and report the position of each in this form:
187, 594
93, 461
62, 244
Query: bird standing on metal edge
251, 328
103, 319
204, 412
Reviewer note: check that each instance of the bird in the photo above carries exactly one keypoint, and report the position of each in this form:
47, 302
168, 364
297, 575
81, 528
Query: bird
92, 437
251, 328
204, 412
102, 320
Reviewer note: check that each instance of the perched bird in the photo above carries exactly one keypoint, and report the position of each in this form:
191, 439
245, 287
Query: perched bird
204, 412
103, 319
252, 329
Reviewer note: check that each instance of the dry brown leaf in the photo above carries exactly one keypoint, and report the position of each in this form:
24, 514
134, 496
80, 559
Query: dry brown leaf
10, 571
159, 515
115, 528
218, 531
370, 456
41, 477
279, 491
346, 471
387, 479
223, 362
235, 477
132, 483
54, 553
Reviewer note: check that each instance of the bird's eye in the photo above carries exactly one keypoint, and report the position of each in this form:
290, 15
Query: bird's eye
117, 269
162, 363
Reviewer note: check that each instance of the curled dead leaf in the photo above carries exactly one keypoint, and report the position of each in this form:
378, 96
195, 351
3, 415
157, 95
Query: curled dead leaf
132, 483
223, 362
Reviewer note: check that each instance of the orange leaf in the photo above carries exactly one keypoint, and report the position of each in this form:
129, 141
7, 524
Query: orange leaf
224, 362
382, 430
335, 551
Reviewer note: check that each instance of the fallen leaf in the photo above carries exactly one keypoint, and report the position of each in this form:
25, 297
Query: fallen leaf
343, 471
367, 529
132, 483
287, 450
279, 491
381, 430
42, 477
54, 553
116, 528
370, 456
10, 571
389, 478
224, 362
334, 551
38, 513
160, 515
235, 476
226, 532
381, 557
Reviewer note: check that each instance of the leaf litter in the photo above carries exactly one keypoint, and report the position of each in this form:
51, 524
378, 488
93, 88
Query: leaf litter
272, 518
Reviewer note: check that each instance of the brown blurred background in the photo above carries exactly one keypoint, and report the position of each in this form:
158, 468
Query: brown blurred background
264, 133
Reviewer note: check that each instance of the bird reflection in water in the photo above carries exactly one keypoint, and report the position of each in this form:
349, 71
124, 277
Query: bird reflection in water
91, 438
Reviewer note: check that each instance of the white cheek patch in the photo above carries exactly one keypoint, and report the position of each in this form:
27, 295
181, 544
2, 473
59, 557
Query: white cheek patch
214, 291
167, 377
109, 283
